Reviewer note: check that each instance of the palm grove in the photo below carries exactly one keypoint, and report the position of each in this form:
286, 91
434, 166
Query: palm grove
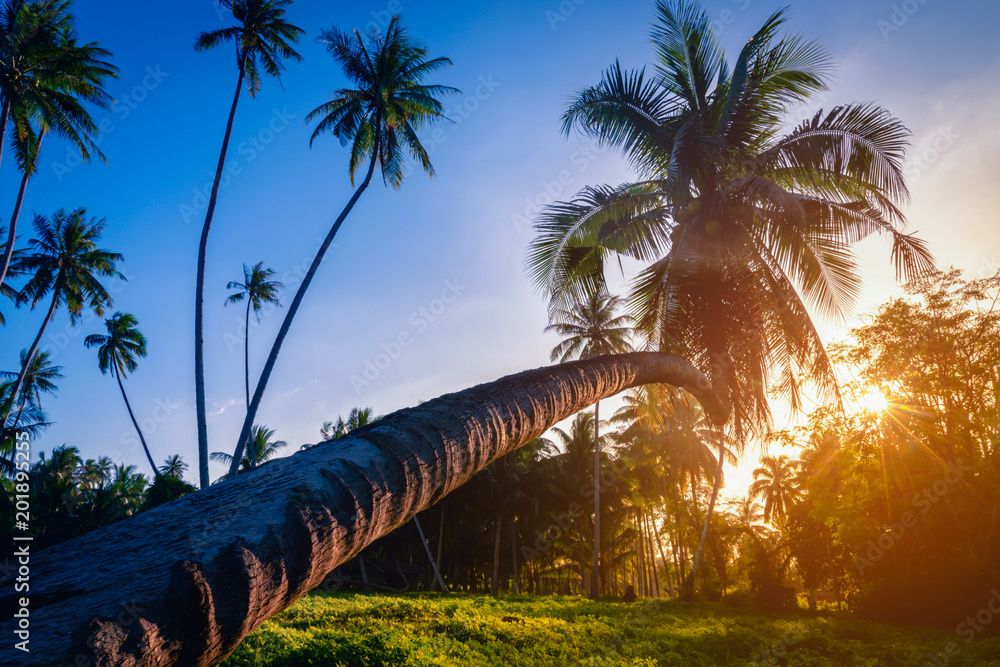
739, 225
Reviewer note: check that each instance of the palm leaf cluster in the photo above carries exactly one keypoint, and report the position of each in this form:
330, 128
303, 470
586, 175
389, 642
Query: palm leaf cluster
382, 114
740, 225
262, 36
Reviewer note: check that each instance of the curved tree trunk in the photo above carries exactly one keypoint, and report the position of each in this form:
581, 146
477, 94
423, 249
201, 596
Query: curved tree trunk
8, 251
4, 119
184, 583
31, 352
199, 296
293, 308
142, 439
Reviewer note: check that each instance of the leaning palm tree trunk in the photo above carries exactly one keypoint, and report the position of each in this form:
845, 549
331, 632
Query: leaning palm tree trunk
12, 231
689, 584
294, 307
595, 571
31, 353
199, 574
142, 439
199, 297
4, 118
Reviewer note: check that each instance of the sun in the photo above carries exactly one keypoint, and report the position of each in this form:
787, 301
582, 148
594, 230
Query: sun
873, 400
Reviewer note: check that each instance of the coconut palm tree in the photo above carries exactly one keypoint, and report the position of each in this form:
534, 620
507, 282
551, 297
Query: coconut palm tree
261, 449
117, 351
174, 466
357, 418
739, 225
39, 378
45, 77
591, 328
263, 39
257, 289
65, 261
776, 483
380, 118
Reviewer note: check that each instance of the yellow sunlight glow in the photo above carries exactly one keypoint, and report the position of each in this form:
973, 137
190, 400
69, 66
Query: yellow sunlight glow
873, 400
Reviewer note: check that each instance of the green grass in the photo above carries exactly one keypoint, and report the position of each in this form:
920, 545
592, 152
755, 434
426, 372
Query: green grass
358, 630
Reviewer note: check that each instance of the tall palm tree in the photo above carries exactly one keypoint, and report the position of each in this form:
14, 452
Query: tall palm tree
776, 482
263, 39
380, 118
257, 289
117, 351
261, 449
591, 328
357, 418
739, 225
45, 77
65, 261
39, 378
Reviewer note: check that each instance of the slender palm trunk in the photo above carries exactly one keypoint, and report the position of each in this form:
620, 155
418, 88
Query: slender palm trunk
708, 515
513, 555
246, 362
430, 558
440, 550
595, 572
495, 585
56, 288
4, 117
128, 406
246, 352
199, 297
20, 411
12, 231
294, 307
663, 557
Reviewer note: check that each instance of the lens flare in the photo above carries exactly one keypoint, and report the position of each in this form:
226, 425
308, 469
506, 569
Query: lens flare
873, 401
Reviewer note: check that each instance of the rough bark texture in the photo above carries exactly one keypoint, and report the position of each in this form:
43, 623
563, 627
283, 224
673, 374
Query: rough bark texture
184, 583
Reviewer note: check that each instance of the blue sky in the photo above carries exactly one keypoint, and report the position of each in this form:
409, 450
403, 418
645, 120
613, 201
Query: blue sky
459, 237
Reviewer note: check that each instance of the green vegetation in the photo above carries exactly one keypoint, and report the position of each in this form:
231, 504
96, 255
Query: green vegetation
430, 629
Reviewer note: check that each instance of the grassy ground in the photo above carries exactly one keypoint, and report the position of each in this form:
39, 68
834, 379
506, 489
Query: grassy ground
356, 630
